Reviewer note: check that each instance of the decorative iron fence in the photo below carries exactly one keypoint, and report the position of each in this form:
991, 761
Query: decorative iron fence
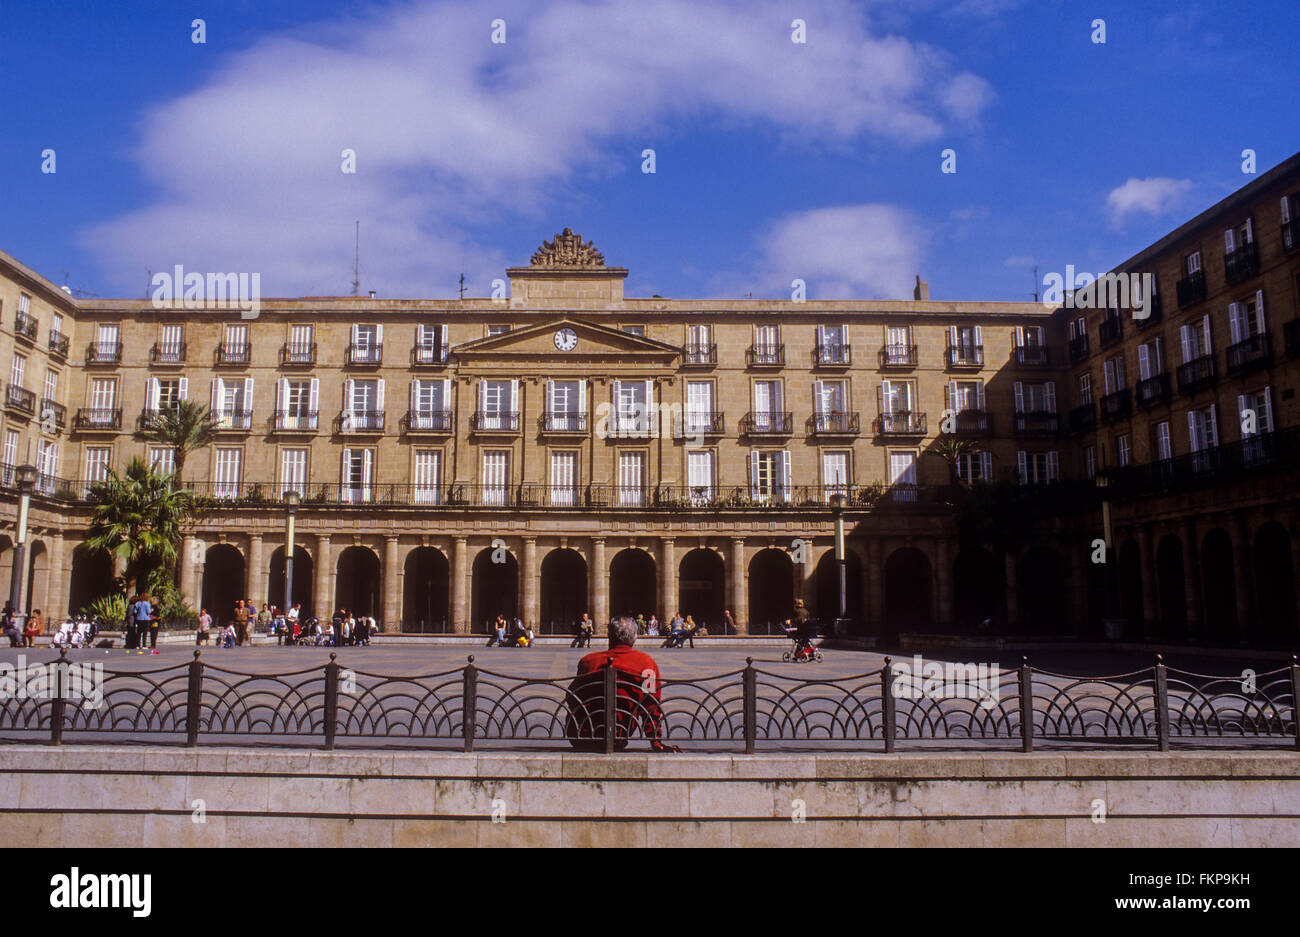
738, 710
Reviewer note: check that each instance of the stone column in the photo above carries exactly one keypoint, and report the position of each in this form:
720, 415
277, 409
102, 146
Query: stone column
532, 575
739, 586
391, 580
324, 595
1191, 578
1013, 592
460, 586
56, 589
256, 572
667, 578
1150, 611
599, 585
187, 564
1244, 568
943, 572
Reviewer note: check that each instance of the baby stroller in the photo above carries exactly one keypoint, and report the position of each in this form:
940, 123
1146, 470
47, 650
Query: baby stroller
801, 649
307, 636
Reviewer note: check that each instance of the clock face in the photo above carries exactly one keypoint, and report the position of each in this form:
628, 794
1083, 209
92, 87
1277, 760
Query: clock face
566, 339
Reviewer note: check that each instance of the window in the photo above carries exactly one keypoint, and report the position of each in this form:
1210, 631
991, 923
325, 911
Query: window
358, 475
162, 459
47, 466
56, 326
1151, 359
496, 405
1123, 451
902, 476
699, 407
96, 460
1196, 340
966, 345
566, 405
11, 455
428, 464
1192, 263
1085, 389
17, 371
496, 477
1078, 328
830, 406
51, 384
1164, 442
296, 404
965, 395
293, 471
226, 480
103, 391
1246, 318
1203, 438
169, 344
1029, 336
497, 330
364, 397
769, 476
367, 344
1290, 212
1035, 397
836, 477
635, 330
700, 475
631, 408
564, 478
236, 345
1113, 371
430, 407
232, 402
767, 339
24, 304
631, 479
1255, 410
300, 342
699, 345
1090, 462
430, 344
975, 467
832, 344
1037, 468
167, 393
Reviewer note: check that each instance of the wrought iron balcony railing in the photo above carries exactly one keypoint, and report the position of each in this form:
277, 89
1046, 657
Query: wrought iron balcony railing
1191, 289
234, 354
550, 422
359, 421
1154, 390
20, 399
700, 355
1117, 405
901, 423
1083, 418
59, 344
835, 423
765, 423
1033, 356
426, 356
1241, 263
232, 420
104, 353
165, 353
494, 421
1037, 423
298, 356
1250, 355
832, 356
699, 423
1110, 331
1197, 374
1078, 348
427, 421
98, 419
899, 356
965, 356
285, 422
765, 356
1155, 312
1224, 464
365, 355
973, 423
25, 326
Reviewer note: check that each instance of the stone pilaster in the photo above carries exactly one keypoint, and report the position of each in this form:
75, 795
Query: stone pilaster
391, 580
531, 576
739, 586
324, 594
460, 586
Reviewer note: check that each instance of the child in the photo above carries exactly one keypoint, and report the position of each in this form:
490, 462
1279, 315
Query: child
228, 636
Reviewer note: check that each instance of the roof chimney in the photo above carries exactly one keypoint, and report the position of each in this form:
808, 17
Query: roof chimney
921, 292
372, 294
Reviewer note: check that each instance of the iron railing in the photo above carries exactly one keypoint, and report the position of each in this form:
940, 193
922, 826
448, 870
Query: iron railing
767, 423
699, 422
1078, 348
233, 354
1226, 463
59, 344
1117, 405
700, 355
899, 356
1037, 423
832, 356
965, 356
163, 353
769, 706
359, 421
305, 422
104, 353
427, 421
765, 356
1191, 289
974, 423
1249, 355
1153, 390
1291, 338
55, 411
494, 421
1110, 330
1197, 374
26, 326
1033, 356
298, 356
20, 399
98, 419
369, 355
428, 355
901, 423
550, 422
835, 423
1083, 417
233, 420
1241, 263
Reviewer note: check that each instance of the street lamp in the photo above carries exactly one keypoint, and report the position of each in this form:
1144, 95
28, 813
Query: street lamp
26, 479
291, 499
1111, 622
837, 509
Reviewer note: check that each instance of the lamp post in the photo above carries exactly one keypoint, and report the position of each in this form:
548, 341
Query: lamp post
1110, 621
291, 499
26, 479
837, 509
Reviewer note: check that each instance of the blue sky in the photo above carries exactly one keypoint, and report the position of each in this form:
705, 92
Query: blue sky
774, 159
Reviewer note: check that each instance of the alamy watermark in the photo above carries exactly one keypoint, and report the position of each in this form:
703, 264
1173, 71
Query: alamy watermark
193, 290
1082, 290
933, 679
83, 681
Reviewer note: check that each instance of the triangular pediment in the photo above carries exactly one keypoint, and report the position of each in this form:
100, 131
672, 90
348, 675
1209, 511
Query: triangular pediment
536, 344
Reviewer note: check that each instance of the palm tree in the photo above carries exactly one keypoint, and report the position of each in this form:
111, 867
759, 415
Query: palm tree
138, 516
185, 427
951, 448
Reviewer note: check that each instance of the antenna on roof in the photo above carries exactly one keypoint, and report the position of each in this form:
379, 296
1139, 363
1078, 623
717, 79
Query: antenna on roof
462, 277
149, 282
1035, 282
356, 263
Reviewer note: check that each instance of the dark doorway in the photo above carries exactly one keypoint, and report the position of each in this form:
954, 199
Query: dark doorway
223, 582
564, 591
304, 579
496, 589
1130, 588
979, 584
632, 585
426, 585
771, 591
91, 576
827, 579
1043, 592
702, 589
358, 586
1275, 582
909, 591
1217, 574
1172, 583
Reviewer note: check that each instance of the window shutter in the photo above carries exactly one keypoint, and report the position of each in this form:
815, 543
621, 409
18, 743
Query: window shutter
978, 338
514, 396
379, 334
613, 390
1144, 362
153, 393
1021, 468
818, 402
649, 404
442, 329
415, 396
952, 336
1286, 209
379, 396
1051, 396
446, 394
184, 389
1053, 466
950, 396
218, 391
754, 492
367, 466
248, 395
1205, 324
1185, 336
1268, 409
315, 395
1234, 321
979, 394
885, 405
785, 475
1212, 429
1074, 330
1020, 397
482, 395
343, 467
347, 395
1259, 311
582, 398
1250, 232
1108, 371
1243, 404
987, 459
356, 330
1193, 431
1229, 241
1020, 336
282, 396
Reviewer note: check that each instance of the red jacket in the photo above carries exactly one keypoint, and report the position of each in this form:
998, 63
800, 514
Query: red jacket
639, 688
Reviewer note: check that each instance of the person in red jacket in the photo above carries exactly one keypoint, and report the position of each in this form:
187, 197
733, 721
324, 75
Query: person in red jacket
639, 689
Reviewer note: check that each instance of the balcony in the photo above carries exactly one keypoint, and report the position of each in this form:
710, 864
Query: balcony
899, 356
104, 353
765, 356
494, 421
1038, 423
1241, 263
1191, 289
550, 422
1153, 391
1197, 374
1078, 348
298, 356
762, 423
20, 400
836, 423
1155, 312
359, 421
427, 421
98, 420
233, 354
1224, 464
53, 410
1250, 355
148, 415
1291, 338
59, 344
232, 421
1116, 406
305, 422
1083, 418
428, 356
692, 423
965, 356
832, 356
365, 356
973, 423
25, 327
901, 423
1111, 330
164, 354
1033, 356
700, 355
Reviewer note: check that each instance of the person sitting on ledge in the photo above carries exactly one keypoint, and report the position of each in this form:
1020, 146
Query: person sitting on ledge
639, 690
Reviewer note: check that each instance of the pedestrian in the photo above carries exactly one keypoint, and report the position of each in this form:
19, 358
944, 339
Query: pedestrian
35, 626
652, 627
9, 625
146, 623
129, 633
205, 628
728, 623
586, 628
241, 622
688, 631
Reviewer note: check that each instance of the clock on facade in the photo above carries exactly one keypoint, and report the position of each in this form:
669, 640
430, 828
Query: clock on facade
566, 339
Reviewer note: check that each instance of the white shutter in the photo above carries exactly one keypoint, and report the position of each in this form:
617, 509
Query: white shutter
979, 340
1212, 428
184, 389
367, 468
1144, 362
1020, 466
415, 397
379, 398
987, 459
347, 395
1234, 321
1051, 396
1243, 404
482, 395
1229, 241
248, 395
952, 336
1185, 335
979, 395
356, 332
315, 396
1193, 431
785, 475
514, 400
1020, 336
217, 392
1250, 232
153, 393
582, 399
443, 330
1108, 371
818, 401
1268, 410
1053, 466
1286, 209
646, 424
379, 334
614, 393
282, 397
1259, 311
754, 492
1205, 324
1020, 397
950, 397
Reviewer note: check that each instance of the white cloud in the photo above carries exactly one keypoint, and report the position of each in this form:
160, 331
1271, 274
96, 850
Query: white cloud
1152, 196
1019, 261
848, 251
452, 132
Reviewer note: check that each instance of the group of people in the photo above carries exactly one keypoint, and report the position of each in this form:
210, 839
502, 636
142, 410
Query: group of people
288, 627
141, 625
512, 633
27, 635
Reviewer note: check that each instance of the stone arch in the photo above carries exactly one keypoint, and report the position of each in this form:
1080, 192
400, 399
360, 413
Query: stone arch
1130, 587
1043, 590
496, 589
771, 590
909, 588
304, 578
702, 588
1171, 587
426, 591
358, 582
1275, 582
979, 589
223, 581
633, 576
826, 605
1218, 572
563, 591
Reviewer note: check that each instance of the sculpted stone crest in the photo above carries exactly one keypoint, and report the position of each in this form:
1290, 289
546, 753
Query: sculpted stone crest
567, 250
